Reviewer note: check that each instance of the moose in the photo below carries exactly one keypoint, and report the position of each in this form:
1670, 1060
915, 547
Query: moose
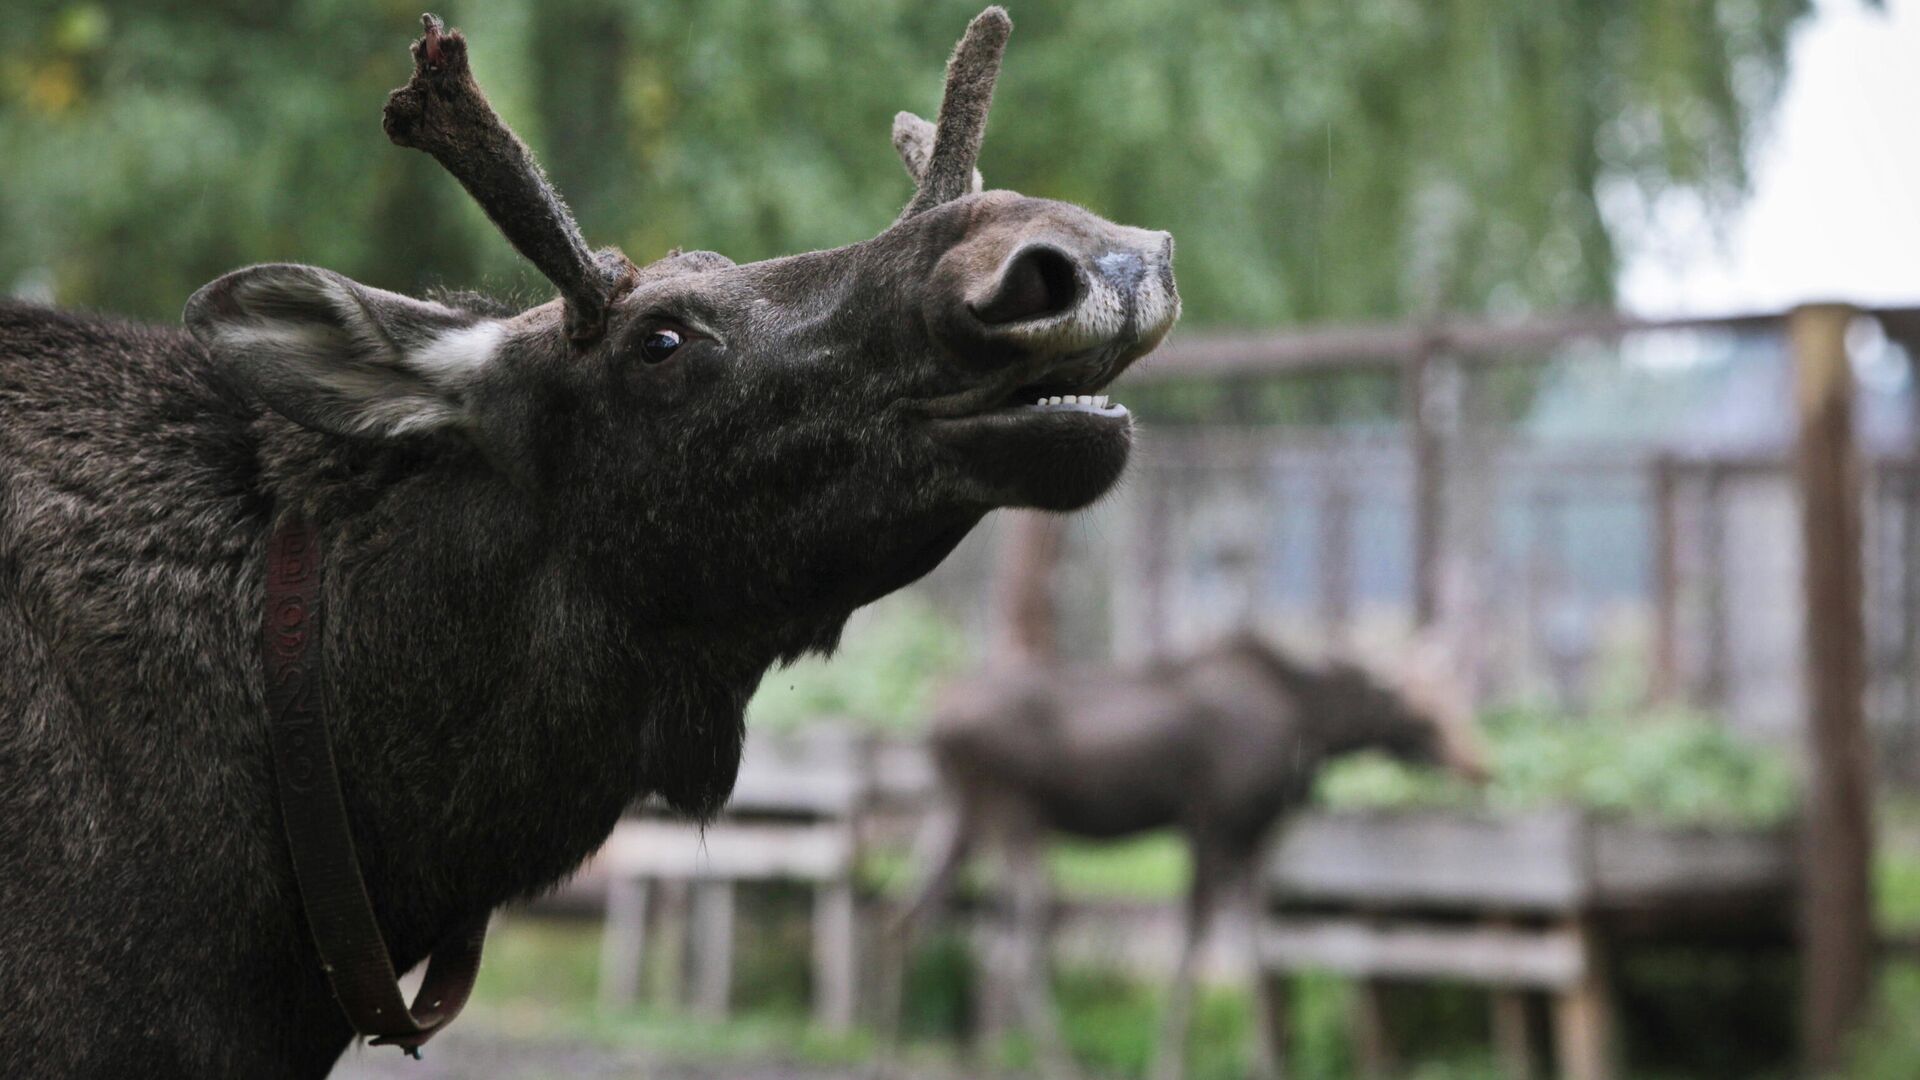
523, 569
1220, 746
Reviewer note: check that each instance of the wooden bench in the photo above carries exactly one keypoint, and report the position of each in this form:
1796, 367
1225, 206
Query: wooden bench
1519, 904
796, 816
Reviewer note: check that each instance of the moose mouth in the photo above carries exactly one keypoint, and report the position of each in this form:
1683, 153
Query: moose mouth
1053, 443
1072, 385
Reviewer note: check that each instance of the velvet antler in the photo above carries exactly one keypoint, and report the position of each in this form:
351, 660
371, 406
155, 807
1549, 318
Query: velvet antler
442, 111
948, 169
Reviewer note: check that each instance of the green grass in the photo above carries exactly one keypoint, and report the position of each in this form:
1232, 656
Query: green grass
1150, 867
1889, 1049
540, 980
540, 977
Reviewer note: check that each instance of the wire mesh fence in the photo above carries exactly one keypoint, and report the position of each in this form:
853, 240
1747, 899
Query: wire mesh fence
1592, 514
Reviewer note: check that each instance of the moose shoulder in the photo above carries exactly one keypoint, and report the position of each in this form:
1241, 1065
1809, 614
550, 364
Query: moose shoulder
561, 549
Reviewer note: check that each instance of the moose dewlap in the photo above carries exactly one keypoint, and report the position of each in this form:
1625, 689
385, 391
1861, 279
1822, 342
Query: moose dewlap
523, 570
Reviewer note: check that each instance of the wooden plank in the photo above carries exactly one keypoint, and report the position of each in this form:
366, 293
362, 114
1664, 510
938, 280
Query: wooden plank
1385, 346
1637, 864
1836, 898
648, 848
822, 774
1368, 948
1531, 863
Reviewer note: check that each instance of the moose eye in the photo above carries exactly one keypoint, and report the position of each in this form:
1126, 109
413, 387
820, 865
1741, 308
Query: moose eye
660, 343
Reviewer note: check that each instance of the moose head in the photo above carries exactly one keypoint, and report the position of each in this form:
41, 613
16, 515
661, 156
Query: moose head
556, 552
803, 434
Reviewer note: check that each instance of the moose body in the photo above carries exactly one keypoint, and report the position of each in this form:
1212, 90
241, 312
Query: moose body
561, 549
1219, 746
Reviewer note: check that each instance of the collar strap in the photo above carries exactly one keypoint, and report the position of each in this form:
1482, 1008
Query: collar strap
332, 891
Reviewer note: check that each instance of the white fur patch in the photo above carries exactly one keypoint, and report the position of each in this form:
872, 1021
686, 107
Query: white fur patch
455, 356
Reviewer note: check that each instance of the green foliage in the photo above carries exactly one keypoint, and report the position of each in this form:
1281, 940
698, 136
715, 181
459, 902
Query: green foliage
1888, 1048
1316, 158
1671, 767
891, 657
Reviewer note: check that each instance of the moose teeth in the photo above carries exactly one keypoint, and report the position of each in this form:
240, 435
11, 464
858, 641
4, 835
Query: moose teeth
1081, 400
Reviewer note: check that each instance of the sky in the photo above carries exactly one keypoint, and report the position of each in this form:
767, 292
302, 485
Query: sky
1834, 207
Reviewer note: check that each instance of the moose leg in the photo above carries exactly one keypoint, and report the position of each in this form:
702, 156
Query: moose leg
944, 841
1268, 993
1031, 901
1170, 1056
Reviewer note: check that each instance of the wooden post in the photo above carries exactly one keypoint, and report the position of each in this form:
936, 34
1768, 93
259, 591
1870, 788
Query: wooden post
1909, 661
1154, 562
1664, 668
1513, 1034
623, 943
836, 968
1025, 620
1583, 1016
1429, 478
1713, 559
1513, 1009
670, 931
1272, 1022
1837, 820
1336, 558
1374, 1056
1909, 338
1549, 587
713, 948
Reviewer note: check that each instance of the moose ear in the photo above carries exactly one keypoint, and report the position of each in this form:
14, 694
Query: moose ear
913, 138
336, 356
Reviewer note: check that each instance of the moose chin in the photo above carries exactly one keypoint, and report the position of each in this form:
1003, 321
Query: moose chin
336, 619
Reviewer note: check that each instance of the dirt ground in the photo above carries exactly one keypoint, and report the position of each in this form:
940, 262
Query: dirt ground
454, 1056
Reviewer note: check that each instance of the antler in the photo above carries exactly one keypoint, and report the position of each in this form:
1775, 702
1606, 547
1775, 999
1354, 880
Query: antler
948, 172
442, 111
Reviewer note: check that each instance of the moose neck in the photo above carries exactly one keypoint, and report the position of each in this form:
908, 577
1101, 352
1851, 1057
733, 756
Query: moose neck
495, 704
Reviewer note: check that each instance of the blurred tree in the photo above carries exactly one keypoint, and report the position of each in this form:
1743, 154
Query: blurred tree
1315, 158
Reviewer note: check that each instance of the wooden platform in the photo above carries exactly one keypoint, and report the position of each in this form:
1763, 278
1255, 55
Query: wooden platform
1533, 903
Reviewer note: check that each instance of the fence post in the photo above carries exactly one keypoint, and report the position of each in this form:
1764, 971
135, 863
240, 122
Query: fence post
1716, 670
1837, 936
1026, 624
1335, 559
1429, 479
1664, 685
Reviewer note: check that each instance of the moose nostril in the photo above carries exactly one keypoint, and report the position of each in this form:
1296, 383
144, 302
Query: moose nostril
1041, 281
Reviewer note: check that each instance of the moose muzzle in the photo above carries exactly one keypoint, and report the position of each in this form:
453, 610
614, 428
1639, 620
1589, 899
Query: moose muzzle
1047, 305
